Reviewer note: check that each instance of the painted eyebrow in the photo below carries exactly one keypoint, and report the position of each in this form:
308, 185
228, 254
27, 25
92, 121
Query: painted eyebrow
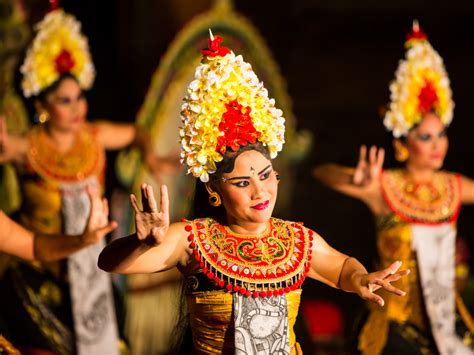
247, 177
65, 97
432, 134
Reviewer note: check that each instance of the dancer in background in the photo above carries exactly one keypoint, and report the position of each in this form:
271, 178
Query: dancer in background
63, 307
17, 241
244, 269
416, 207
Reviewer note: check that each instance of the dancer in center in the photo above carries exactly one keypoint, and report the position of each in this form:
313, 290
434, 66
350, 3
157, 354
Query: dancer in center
244, 269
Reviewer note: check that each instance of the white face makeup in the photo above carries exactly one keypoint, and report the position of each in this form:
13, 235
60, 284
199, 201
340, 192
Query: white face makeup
249, 192
67, 106
427, 144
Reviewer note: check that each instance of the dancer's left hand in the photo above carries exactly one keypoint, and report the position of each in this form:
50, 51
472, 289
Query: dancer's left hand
367, 284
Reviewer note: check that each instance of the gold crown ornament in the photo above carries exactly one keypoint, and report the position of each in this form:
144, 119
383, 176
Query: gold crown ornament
58, 48
421, 86
226, 107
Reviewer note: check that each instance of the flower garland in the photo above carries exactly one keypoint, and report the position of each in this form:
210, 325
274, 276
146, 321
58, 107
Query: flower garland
58, 48
421, 85
226, 106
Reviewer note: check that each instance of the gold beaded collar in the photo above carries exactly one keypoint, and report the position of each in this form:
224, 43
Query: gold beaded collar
437, 201
84, 159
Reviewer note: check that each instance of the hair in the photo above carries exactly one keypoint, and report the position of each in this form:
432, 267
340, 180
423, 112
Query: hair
42, 96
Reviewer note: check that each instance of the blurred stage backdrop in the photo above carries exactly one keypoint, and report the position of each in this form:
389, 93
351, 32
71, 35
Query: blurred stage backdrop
333, 62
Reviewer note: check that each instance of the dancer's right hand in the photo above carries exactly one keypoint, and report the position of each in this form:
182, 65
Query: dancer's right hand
368, 171
151, 224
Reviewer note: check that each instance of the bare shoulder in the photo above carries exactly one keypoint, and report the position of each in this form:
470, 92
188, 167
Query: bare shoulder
314, 236
463, 178
178, 229
114, 135
179, 232
467, 189
99, 128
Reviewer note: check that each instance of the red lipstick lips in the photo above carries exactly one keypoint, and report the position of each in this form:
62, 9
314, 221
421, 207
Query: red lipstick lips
262, 206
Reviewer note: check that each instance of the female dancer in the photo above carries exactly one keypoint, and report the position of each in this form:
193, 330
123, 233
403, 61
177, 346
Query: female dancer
63, 307
416, 208
244, 269
22, 243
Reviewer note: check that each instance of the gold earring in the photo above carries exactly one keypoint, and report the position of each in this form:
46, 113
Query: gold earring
43, 116
214, 198
401, 153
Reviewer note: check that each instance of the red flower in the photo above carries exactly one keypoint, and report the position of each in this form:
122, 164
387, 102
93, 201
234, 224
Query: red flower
416, 34
64, 62
427, 97
53, 5
214, 48
237, 126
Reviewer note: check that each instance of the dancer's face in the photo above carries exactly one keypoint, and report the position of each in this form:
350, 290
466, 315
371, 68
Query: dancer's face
427, 143
67, 106
249, 192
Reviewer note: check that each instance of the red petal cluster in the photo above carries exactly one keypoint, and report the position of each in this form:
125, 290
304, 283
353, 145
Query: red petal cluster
417, 34
53, 5
237, 126
214, 48
427, 97
64, 62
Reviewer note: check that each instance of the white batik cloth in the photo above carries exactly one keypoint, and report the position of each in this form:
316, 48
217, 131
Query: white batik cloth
435, 249
91, 290
261, 325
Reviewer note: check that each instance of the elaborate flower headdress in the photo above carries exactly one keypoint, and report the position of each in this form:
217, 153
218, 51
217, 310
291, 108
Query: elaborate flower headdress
226, 107
58, 48
421, 85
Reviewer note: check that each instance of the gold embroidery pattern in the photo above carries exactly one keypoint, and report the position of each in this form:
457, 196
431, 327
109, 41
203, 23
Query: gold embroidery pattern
272, 263
435, 202
84, 159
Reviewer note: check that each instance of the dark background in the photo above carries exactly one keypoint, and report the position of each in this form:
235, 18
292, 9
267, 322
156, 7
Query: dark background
337, 56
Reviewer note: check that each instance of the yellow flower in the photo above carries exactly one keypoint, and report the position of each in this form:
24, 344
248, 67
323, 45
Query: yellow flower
220, 80
57, 32
422, 65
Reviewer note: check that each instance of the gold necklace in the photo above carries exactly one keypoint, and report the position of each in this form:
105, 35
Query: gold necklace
430, 202
85, 158
264, 265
